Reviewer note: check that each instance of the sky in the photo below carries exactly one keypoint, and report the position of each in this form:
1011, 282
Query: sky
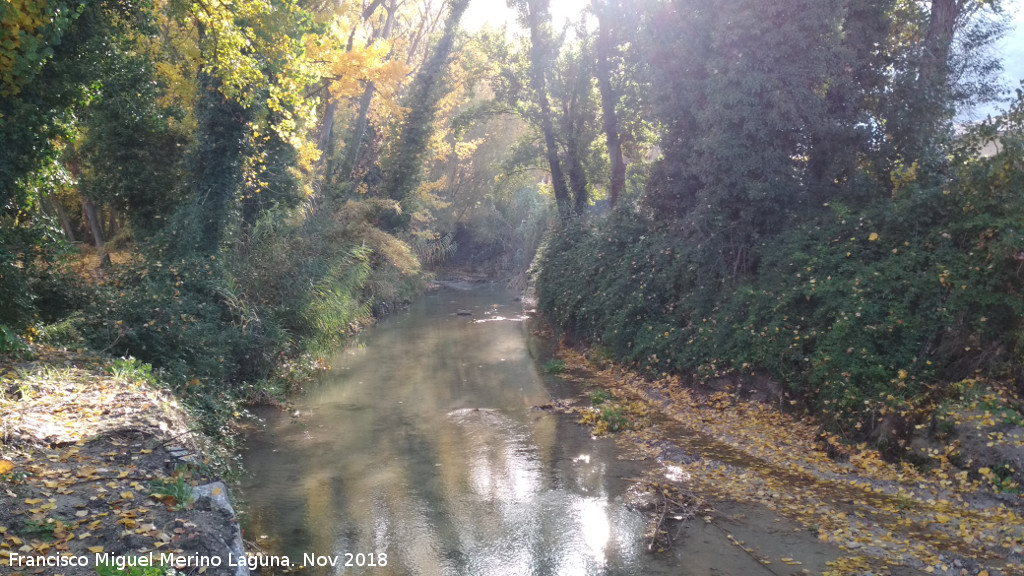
1012, 48
496, 13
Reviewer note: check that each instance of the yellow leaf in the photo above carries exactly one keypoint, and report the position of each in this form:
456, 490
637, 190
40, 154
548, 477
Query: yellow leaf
872, 237
95, 549
6, 466
33, 501
941, 518
127, 495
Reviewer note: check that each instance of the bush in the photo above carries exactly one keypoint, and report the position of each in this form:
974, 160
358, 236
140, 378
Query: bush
554, 366
867, 311
218, 326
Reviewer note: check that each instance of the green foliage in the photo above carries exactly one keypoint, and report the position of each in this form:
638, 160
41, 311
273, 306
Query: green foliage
131, 369
41, 529
10, 343
554, 366
176, 490
65, 332
615, 418
810, 220
865, 311
1001, 478
217, 327
132, 149
14, 477
404, 168
600, 397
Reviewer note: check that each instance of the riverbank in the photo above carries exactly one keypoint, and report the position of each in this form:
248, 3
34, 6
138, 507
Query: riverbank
883, 517
99, 465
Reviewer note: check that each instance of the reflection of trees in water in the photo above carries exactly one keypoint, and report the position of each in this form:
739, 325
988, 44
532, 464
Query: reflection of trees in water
425, 448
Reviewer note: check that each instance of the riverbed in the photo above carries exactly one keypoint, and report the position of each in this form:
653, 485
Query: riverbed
422, 453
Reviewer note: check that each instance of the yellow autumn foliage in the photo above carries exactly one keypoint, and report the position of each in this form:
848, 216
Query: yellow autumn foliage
20, 20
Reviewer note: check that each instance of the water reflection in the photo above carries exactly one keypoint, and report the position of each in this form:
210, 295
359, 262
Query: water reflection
422, 446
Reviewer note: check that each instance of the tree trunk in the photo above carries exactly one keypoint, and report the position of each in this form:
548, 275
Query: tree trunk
573, 128
404, 167
610, 122
97, 231
62, 215
931, 105
359, 133
938, 40
216, 163
535, 16
326, 128
113, 222
355, 146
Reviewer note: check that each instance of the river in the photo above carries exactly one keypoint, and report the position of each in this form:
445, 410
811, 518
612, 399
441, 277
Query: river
421, 453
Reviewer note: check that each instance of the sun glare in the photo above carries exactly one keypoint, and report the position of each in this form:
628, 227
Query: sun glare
496, 13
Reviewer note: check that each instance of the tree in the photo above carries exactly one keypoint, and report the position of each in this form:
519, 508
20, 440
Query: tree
403, 170
534, 13
603, 71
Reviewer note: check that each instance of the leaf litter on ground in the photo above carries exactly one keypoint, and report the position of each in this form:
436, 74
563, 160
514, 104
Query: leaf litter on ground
885, 517
85, 469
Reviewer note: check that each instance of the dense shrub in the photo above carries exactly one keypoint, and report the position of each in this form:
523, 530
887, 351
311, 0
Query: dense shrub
221, 326
864, 311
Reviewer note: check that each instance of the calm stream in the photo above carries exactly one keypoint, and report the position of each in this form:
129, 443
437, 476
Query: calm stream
422, 445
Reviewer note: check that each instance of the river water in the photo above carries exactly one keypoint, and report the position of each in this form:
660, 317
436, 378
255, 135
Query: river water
421, 445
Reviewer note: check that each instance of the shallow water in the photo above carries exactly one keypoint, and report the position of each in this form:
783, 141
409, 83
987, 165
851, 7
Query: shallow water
422, 445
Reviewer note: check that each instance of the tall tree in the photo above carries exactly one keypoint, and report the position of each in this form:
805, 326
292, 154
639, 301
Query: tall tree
358, 137
404, 167
603, 47
535, 15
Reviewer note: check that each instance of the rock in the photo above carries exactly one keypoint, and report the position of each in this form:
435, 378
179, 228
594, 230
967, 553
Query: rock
216, 493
